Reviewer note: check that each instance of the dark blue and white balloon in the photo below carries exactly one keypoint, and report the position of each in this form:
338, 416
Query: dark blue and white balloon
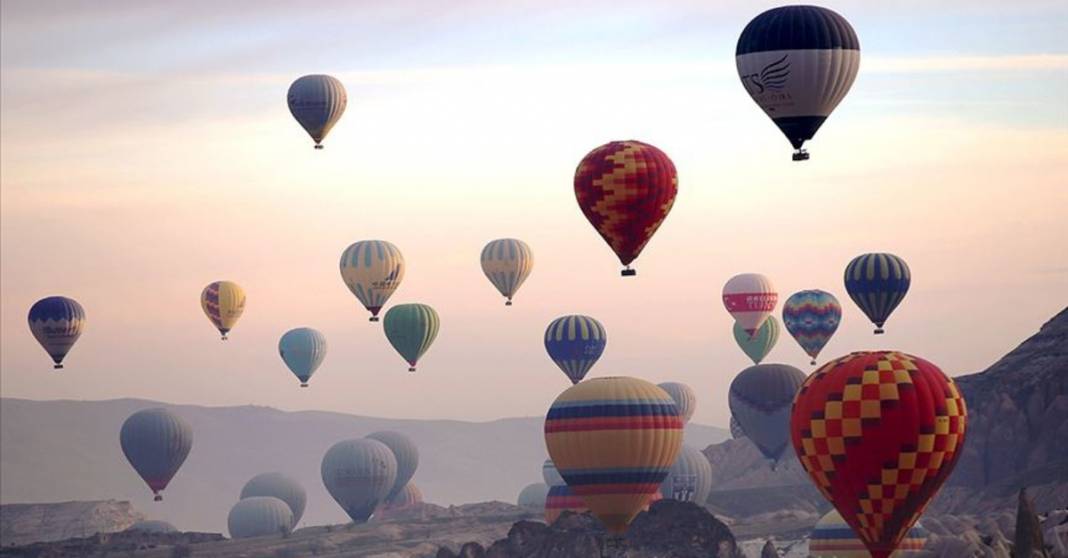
57, 322
797, 63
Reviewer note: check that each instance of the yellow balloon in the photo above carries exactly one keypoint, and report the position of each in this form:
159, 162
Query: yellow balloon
223, 302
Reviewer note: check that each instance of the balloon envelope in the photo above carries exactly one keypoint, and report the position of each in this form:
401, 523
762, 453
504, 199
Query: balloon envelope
57, 322
684, 397
411, 329
533, 495
877, 283
812, 317
834, 538
760, 399
613, 441
798, 63
507, 263
317, 102
626, 190
561, 498
223, 303
575, 343
407, 498
690, 477
303, 350
259, 516
750, 298
878, 432
153, 526
372, 270
758, 345
550, 475
405, 452
359, 475
277, 485
156, 443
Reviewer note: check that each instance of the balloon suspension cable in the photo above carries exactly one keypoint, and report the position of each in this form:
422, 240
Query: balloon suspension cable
879, 331
158, 498
57, 366
628, 272
800, 155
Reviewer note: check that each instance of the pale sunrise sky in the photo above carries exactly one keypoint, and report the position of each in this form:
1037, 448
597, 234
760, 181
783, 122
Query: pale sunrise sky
146, 150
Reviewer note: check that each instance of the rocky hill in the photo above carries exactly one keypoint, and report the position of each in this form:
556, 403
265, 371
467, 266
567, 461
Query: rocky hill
22, 524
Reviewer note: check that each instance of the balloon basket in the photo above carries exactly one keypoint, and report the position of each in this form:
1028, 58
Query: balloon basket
57, 367
509, 303
813, 363
800, 155
628, 272
303, 384
373, 319
879, 331
158, 498
317, 146
411, 369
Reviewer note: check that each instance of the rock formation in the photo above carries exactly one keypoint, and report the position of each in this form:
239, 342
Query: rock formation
22, 524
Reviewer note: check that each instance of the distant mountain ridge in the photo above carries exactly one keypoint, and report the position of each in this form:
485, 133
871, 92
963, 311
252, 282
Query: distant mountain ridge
52, 451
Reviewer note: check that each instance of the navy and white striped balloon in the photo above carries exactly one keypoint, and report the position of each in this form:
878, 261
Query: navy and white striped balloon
575, 343
877, 283
798, 63
57, 322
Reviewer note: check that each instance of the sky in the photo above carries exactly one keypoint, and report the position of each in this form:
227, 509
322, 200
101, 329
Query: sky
146, 150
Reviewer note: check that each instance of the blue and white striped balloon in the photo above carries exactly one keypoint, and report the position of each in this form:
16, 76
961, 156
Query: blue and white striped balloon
57, 322
575, 343
877, 283
507, 262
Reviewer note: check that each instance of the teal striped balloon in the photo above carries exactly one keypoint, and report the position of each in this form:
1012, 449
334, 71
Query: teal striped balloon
411, 329
760, 344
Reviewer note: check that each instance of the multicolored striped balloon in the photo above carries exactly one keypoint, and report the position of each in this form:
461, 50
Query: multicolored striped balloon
575, 343
411, 329
756, 347
834, 538
877, 283
561, 498
372, 270
812, 317
626, 190
507, 262
223, 303
750, 298
614, 440
57, 322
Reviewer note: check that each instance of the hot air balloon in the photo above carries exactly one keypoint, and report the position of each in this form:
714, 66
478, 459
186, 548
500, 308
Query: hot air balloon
277, 485
259, 516
561, 498
533, 495
750, 298
736, 429
223, 302
877, 283
878, 432
303, 350
798, 63
406, 454
154, 526
411, 328
626, 190
575, 343
57, 322
812, 317
317, 102
372, 270
690, 478
156, 443
507, 262
684, 397
550, 475
359, 475
614, 440
409, 497
760, 398
757, 346
834, 538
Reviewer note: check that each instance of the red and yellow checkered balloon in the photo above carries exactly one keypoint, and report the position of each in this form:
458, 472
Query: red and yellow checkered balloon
626, 189
879, 432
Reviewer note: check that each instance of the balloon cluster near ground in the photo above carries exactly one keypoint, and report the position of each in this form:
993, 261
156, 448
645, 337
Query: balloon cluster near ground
876, 431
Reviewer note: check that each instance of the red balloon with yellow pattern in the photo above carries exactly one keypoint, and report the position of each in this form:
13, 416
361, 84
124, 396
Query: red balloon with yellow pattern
879, 432
626, 190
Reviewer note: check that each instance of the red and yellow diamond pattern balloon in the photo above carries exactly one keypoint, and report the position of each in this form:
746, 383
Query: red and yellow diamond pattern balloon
879, 432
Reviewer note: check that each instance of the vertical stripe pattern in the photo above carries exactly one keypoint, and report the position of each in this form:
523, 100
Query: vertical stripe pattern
411, 329
758, 345
372, 270
760, 397
684, 397
156, 443
278, 486
834, 538
507, 262
561, 498
575, 343
317, 102
613, 441
359, 475
812, 317
259, 516
877, 283
626, 190
690, 477
223, 303
57, 322
303, 350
